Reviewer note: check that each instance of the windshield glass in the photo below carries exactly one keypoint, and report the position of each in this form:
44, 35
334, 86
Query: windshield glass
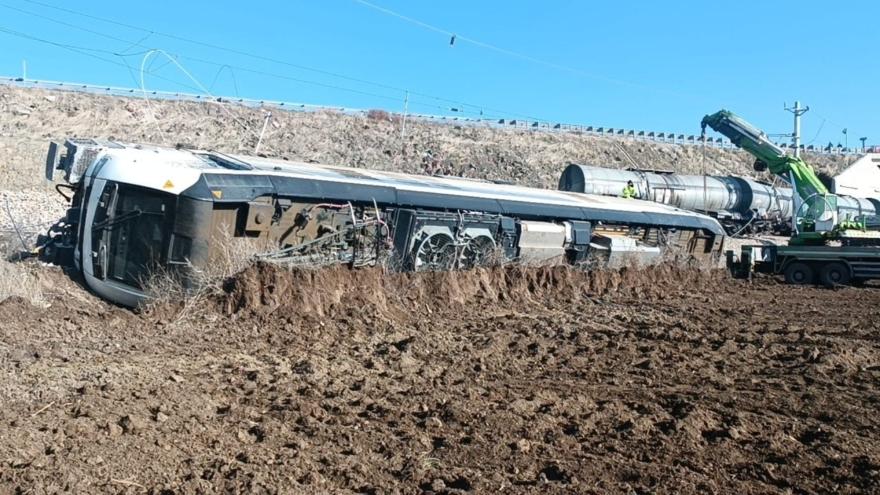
137, 234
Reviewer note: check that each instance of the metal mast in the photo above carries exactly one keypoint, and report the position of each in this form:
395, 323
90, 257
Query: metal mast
796, 135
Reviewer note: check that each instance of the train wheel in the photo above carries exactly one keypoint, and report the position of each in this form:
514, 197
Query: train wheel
834, 274
799, 274
435, 253
477, 252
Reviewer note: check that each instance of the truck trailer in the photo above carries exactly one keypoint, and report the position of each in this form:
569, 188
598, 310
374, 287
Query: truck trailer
804, 265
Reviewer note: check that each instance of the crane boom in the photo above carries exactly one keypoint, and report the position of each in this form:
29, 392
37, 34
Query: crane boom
753, 140
820, 215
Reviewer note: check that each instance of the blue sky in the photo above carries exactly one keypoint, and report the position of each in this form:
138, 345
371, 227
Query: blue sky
644, 65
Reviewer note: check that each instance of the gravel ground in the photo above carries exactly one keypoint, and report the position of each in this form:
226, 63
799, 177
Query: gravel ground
31, 212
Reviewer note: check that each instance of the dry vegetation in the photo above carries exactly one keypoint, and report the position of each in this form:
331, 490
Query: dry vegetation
19, 280
30, 117
187, 291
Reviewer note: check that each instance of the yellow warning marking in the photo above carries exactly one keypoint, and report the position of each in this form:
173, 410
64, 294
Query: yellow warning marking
217, 194
168, 184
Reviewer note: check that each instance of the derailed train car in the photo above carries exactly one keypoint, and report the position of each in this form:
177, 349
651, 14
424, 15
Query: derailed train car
742, 205
138, 207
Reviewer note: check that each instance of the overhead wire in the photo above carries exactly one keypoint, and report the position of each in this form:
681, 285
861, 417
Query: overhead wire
230, 67
316, 83
143, 72
141, 83
477, 107
86, 51
196, 82
90, 52
821, 126
231, 74
455, 37
146, 98
847, 128
63, 23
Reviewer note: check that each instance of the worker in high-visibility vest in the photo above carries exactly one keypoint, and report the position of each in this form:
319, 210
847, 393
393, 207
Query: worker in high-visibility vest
629, 191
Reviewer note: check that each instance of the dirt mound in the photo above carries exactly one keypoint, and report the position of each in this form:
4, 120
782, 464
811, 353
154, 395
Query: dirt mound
265, 288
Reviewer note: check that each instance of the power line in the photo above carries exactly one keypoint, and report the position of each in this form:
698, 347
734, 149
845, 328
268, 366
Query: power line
291, 78
231, 73
325, 85
488, 46
64, 23
403, 91
90, 52
821, 126
120, 54
169, 60
86, 52
824, 118
195, 81
220, 65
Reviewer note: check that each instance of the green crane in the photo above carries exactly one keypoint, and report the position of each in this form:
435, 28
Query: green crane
815, 221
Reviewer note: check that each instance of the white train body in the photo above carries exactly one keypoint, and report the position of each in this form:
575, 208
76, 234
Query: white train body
139, 207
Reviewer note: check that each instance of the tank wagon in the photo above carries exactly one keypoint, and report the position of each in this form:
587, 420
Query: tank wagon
134, 208
740, 204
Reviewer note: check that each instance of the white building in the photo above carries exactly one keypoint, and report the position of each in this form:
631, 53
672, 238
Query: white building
861, 179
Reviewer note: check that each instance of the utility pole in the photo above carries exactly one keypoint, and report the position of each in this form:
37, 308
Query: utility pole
405, 108
796, 135
863, 139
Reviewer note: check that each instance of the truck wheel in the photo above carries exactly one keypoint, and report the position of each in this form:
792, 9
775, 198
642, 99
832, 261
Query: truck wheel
833, 274
799, 273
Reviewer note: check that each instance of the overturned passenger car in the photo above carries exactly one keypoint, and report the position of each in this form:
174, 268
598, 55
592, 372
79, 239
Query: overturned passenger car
136, 207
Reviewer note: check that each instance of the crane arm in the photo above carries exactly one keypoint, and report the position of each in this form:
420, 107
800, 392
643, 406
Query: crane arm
753, 140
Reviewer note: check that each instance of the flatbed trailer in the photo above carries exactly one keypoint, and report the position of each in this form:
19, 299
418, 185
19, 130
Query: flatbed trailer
802, 265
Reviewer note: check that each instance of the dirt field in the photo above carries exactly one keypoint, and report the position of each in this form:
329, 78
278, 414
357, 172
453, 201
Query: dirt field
523, 381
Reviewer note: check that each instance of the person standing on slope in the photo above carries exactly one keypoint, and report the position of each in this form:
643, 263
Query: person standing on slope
629, 191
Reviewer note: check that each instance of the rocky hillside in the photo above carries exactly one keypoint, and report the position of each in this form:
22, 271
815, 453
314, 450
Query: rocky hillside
29, 118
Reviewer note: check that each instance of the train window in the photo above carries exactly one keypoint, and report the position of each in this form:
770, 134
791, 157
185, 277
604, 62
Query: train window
138, 234
101, 219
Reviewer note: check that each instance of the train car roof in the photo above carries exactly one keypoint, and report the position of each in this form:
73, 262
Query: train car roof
234, 178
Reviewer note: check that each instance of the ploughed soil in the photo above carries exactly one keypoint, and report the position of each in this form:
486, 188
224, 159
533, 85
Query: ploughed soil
664, 380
